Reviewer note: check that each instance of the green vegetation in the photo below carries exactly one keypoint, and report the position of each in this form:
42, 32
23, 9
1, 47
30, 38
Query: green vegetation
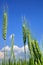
24, 37
4, 31
36, 57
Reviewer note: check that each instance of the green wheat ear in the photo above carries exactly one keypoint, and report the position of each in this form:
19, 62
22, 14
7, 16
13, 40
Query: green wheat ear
12, 44
4, 31
24, 33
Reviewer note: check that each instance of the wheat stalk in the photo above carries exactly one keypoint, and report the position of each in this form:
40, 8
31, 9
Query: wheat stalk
4, 30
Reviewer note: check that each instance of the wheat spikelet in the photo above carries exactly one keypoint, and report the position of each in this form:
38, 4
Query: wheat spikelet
4, 31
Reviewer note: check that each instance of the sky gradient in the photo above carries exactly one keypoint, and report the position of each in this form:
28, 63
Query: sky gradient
31, 9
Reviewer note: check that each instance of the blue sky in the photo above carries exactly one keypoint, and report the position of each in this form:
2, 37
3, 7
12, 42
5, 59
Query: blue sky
31, 9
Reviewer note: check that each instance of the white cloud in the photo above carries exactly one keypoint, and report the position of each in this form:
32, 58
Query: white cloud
7, 48
1, 55
18, 51
10, 36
